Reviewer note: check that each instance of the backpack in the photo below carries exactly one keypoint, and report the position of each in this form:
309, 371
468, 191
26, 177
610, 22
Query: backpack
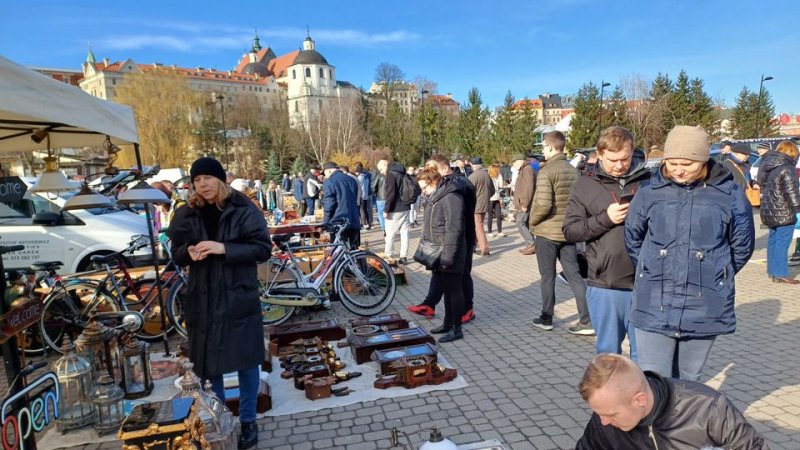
409, 190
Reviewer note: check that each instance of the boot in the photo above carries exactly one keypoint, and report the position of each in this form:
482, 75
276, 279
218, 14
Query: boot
249, 436
441, 329
453, 335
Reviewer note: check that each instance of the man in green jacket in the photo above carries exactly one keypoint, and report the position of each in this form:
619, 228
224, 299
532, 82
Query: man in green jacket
553, 186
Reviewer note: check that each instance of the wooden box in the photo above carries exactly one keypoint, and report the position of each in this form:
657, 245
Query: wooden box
385, 358
162, 425
389, 321
328, 330
363, 346
263, 401
414, 372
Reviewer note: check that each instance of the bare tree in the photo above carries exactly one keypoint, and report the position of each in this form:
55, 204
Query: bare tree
426, 84
336, 127
389, 77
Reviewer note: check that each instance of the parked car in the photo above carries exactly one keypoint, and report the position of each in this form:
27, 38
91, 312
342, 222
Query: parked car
72, 237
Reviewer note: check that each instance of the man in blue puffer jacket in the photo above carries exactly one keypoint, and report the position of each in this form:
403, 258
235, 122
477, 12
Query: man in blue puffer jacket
688, 233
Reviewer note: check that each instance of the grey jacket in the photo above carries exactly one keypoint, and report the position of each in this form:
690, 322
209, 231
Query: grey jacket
484, 189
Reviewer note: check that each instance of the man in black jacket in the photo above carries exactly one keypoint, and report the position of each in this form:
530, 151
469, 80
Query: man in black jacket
396, 211
642, 410
595, 215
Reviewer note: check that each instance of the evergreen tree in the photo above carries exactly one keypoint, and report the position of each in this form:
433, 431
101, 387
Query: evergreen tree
299, 166
586, 121
702, 110
616, 110
661, 87
503, 129
750, 116
524, 130
272, 172
473, 122
765, 127
680, 103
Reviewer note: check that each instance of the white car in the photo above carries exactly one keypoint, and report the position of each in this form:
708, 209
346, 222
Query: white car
71, 237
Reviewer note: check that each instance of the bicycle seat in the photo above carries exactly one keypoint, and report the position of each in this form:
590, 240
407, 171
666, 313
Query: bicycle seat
281, 238
103, 259
46, 266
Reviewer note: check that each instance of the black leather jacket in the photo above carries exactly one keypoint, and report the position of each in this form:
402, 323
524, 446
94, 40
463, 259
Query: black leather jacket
690, 417
780, 193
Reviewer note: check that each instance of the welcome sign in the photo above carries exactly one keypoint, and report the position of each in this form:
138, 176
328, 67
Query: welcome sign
34, 416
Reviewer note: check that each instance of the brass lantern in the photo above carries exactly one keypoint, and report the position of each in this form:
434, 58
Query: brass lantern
217, 418
137, 378
75, 382
98, 344
107, 404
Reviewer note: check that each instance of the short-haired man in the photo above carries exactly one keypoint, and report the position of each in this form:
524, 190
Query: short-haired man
340, 202
595, 215
395, 211
435, 291
553, 185
725, 148
637, 410
737, 163
484, 190
524, 186
312, 188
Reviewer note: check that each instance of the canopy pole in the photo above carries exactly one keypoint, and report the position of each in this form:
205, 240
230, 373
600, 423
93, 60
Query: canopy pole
153, 241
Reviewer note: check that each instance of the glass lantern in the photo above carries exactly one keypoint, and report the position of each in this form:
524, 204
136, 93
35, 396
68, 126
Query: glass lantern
75, 382
216, 417
107, 403
137, 378
98, 344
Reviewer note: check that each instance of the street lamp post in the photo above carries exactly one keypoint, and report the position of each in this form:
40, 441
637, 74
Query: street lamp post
758, 104
221, 99
603, 85
422, 120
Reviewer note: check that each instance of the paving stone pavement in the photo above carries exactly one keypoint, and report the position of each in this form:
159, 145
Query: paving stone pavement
522, 382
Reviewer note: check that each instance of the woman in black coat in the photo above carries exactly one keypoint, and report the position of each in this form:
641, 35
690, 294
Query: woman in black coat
780, 204
444, 225
221, 235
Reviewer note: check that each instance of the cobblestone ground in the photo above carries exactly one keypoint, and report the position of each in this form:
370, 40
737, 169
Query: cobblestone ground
522, 382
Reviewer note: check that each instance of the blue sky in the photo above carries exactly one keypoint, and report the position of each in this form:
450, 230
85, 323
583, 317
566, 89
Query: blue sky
528, 47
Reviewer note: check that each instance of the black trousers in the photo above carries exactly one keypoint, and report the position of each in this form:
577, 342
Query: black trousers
453, 296
366, 212
547, 252
350, 237
436, 289
495, 212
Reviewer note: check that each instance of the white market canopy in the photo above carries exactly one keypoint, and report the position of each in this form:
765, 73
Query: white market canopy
30, 101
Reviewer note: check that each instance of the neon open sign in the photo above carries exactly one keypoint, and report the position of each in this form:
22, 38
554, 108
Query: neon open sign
31, 418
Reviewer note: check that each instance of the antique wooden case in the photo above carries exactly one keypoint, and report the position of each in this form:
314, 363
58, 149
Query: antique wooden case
388, 321
385, 358
363, 346
328, 330
169, 425
414, 372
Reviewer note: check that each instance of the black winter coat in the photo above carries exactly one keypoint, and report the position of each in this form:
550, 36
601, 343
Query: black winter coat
694, 416
780, 194
378, 185
394, 185
223, 311
444, 225
467, 191
586, 220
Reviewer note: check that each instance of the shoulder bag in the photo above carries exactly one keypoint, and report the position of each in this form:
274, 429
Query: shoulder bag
429, 253
753, 195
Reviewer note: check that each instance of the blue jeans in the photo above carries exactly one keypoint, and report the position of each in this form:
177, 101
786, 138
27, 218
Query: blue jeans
379, 205
777, 250
248, 392
610, 310
310, 203
682, 358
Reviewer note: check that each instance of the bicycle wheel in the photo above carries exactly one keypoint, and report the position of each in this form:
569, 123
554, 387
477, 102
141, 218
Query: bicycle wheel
149, 307
176, 304
366, 284
274, 314
67, 309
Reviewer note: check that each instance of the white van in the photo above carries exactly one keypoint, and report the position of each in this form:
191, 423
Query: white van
71, 237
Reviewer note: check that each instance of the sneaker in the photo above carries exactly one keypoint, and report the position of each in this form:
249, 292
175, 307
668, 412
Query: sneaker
402, 261
545, 323
326, 304
422, 309
500, 235
562, 278
582, 329
795, 257
468, 316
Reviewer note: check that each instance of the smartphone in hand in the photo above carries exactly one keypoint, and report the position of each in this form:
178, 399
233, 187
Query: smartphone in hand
625, 198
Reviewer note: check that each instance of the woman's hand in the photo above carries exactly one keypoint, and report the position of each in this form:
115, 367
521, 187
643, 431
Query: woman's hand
200, 251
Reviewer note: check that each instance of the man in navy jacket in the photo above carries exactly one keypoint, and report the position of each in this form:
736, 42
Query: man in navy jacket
340, 202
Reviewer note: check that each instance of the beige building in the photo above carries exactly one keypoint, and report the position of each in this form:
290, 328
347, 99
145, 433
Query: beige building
534, 104
405, 94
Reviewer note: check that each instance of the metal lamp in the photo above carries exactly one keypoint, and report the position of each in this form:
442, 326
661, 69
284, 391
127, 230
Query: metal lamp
87, 199
75, 382
137, 378
107, 404
142, 193
51, 180
98, 344
216, 417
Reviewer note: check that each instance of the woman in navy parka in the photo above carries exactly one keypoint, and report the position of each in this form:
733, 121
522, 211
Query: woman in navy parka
688, 233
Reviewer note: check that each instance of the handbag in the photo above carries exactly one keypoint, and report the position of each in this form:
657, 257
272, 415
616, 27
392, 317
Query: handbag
753, 195
429, 253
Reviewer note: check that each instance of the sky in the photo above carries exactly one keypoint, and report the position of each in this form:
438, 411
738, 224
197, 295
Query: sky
526, 47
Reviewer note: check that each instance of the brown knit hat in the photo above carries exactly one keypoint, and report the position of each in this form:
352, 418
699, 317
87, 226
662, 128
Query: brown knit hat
685, 142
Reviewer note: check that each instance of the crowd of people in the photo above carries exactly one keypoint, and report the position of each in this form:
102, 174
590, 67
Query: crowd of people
650, 255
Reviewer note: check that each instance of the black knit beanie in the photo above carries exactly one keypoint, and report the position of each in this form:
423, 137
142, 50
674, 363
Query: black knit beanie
207, 166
